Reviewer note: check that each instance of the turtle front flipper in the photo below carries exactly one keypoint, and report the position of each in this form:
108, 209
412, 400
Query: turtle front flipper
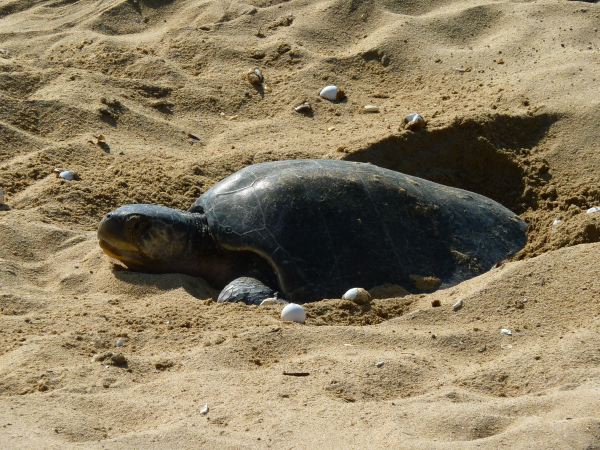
247, 290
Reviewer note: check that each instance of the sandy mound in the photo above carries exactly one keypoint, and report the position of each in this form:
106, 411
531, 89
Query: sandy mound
147, 101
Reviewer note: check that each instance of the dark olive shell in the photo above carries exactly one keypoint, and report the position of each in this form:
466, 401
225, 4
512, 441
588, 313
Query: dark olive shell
327, 226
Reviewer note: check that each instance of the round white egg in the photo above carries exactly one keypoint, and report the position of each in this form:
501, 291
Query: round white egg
293, 312
330, 93
357, 295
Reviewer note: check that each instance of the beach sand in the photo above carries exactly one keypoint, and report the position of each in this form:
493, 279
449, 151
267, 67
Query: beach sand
147, 101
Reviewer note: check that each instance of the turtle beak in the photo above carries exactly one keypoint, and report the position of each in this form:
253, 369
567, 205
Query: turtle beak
109, 251
113, 240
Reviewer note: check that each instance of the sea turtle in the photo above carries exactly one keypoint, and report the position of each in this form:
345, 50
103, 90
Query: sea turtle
311, 229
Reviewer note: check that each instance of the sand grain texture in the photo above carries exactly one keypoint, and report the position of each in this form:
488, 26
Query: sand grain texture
147, 101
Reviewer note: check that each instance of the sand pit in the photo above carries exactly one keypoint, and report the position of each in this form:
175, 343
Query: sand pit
147, 101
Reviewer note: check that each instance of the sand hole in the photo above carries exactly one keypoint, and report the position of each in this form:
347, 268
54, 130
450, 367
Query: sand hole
490, 156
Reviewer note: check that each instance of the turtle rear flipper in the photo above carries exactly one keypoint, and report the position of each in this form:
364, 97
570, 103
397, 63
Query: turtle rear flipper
247, 290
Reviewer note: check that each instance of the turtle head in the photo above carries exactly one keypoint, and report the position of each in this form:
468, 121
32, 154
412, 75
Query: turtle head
150, 238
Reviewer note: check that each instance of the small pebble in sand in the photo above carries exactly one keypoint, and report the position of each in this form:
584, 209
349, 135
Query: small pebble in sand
556, 222
458, 305
304, 108
67, 175
332, 93
293, 313
118, 360
371, 109
120, 342
593, 210
436, 303
204, 410
163, 364
414, 122
359, 296
295, 373
255, 77
100, 139
379, 365
506, 332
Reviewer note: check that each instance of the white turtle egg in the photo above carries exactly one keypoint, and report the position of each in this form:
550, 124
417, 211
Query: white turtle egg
593, 210
68, 175
332, 93
359, 296
293, 312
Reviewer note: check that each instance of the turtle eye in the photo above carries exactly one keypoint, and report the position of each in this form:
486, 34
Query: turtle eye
136, 224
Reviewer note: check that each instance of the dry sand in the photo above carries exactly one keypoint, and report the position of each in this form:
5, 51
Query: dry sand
511, 93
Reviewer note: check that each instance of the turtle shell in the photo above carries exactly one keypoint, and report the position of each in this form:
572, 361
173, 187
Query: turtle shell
325, 226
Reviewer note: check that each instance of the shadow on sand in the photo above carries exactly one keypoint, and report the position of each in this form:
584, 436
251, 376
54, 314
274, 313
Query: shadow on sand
194, 286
